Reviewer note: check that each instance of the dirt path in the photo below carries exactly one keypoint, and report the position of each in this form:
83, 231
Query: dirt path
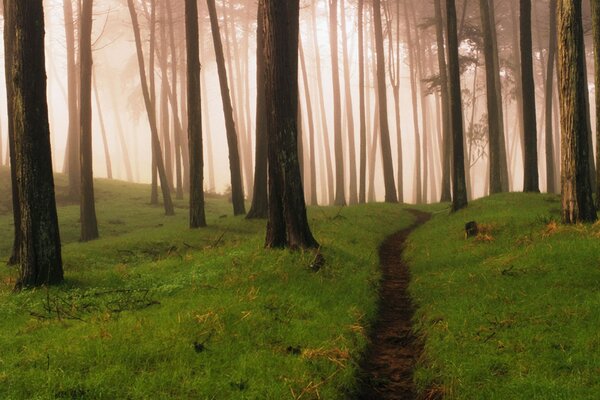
387, 369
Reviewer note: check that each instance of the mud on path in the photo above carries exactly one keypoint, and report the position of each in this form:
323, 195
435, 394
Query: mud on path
387, 367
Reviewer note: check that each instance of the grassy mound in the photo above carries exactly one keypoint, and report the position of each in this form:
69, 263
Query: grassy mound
513, 313
153, 310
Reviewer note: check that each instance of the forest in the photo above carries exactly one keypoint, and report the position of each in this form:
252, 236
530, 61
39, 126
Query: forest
300, 199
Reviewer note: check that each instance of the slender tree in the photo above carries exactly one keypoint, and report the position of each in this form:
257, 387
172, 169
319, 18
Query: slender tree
237, 189
596, 34
39, 247
531, 180
362, 189
150, 110
550, 164
459, 188
89, 223
197, 216
288, 223
577, 202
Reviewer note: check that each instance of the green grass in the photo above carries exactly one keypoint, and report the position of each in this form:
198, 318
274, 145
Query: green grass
153, 310
514, 313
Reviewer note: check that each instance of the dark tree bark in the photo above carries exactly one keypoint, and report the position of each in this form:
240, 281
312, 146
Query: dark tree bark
459, 188
260, 205
494, 120
550, 164
288, 223
446, 195
237, 189
340, 197
362, 189
386, 151
39, 248
530, 167
577, 202
596, 34
89, 223
150, 110
72, 151
197, 215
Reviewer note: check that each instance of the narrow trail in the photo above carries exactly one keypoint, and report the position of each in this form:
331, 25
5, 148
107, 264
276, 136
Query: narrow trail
387, 368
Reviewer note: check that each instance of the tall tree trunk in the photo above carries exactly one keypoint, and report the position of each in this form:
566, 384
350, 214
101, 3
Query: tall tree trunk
237, 189
395, 75
259, 208
150, 110
577, 202
89, 223
72, 151
494, 120
459, 189
107, 160
362, 190
353, 196
550, 165
197, 216
531, 183
288, 223
443, 71
39, 247
340, 197
516, 63
165, 121
386, 151
311, 129
596, 34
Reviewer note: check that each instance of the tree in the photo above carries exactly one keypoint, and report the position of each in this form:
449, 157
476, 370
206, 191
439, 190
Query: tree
39, 247
530, 167
87, 206
577, 202
550, 165
197, 216
596, 34
459, 188
288, 223
362, 190
494, 122
150, 110
388, 167
340, 197
443, 71
260, 205
237, 190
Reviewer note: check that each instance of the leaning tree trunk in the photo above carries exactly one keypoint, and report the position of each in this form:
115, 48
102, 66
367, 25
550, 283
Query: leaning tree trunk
340, 197
577, 202
459, 188
260, 205
39, 248
288, 223
386, 150
197, 215
237, 189
443, 71
89, 223
150, 110
550, 165
530, 168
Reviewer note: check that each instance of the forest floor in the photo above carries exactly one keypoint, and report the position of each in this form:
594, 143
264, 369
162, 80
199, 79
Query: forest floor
155, 310
387, 370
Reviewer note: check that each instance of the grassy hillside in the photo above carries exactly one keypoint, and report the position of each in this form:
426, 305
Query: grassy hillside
155, 311
513, 313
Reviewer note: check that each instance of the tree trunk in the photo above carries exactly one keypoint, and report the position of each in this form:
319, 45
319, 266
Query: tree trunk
362, 190
259, 208
150, 110
288, 223
237, 190
89, 223
107, 160
197, 216
340, 197
443, 71
39, 248
459, 189
530, 168
596, 34
550, 165
577, 202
